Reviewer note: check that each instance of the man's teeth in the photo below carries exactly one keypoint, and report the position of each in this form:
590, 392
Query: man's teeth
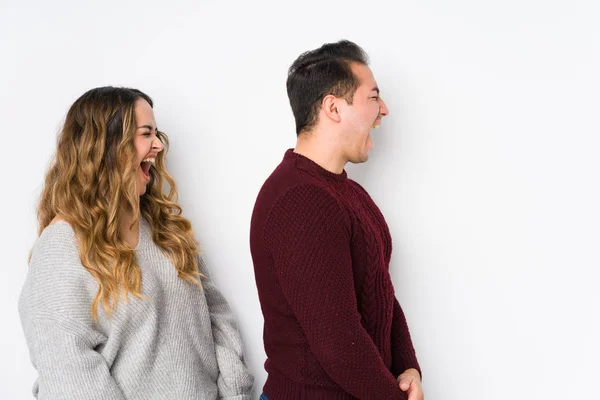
150, 160
374, 126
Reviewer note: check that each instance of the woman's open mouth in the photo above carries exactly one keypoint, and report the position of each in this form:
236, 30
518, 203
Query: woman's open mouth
145, 166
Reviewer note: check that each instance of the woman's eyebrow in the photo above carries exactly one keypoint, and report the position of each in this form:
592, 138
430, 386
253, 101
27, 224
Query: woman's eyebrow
146, 127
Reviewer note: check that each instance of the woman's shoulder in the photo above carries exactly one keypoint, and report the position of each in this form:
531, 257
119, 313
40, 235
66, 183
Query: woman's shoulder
56, 280
57, 288
56, 244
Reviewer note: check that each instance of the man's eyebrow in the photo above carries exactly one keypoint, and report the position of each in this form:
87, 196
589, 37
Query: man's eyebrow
376, 89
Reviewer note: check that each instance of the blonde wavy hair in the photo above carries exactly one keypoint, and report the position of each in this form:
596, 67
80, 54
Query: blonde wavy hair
93, 177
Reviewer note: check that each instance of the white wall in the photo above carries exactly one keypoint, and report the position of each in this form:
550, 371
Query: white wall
486, 169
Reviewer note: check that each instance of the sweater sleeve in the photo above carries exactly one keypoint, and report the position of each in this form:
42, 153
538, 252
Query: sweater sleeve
55, 314
309, 235
235, 380
403, 352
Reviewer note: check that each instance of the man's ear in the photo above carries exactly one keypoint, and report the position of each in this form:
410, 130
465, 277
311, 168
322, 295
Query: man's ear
330, 106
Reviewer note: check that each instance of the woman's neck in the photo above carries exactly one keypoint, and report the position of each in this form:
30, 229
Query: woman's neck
130, 232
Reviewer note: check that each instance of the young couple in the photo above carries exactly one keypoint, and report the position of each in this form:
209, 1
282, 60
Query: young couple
118, 304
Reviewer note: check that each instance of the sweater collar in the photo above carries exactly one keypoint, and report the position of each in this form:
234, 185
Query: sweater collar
313, 168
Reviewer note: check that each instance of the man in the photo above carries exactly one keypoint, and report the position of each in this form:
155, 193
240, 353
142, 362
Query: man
321, 247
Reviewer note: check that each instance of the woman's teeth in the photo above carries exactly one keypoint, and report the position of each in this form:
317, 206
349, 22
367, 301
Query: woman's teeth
146, 164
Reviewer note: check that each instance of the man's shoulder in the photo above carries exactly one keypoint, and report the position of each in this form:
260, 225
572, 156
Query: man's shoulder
284, 178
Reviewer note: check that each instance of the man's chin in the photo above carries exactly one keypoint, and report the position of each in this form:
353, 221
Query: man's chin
359, 159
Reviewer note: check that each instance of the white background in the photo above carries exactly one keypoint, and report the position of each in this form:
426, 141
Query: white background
486, 169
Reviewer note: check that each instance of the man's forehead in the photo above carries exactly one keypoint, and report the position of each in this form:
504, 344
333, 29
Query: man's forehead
364, 73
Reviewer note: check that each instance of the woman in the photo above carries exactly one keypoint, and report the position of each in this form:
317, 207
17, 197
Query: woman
117, 303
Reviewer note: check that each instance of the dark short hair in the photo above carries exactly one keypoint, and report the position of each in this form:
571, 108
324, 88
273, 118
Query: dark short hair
317, 73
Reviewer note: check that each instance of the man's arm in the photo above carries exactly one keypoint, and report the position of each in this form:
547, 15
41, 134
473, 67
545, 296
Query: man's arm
403, 351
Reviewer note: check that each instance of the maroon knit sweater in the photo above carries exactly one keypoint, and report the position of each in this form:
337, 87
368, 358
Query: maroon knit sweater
321, 250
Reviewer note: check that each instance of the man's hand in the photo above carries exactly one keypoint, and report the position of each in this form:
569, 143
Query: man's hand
410, 382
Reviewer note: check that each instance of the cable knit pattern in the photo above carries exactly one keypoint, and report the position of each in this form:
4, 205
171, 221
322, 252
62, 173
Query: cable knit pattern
321, 250
181, 342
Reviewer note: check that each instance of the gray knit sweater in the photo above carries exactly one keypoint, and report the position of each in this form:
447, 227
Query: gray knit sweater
181, 343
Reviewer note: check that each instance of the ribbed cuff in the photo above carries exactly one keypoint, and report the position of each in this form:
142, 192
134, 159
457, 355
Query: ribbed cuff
404, 361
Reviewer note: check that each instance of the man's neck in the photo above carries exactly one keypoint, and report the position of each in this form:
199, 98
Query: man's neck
326, 155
